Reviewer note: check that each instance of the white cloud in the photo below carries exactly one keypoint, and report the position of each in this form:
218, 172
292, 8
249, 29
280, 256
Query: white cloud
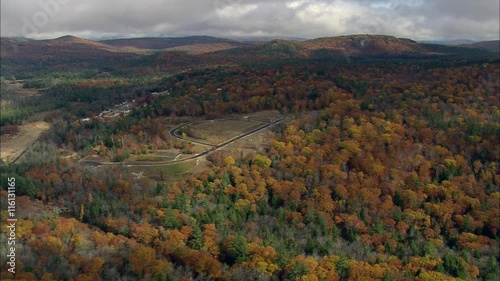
296, 4
418, 19
235, 11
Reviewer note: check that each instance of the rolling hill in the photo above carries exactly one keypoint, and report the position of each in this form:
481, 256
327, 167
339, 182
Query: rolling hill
68, 52
455, 42
492, 46
66, 48
176, 43
20, 55
365, 46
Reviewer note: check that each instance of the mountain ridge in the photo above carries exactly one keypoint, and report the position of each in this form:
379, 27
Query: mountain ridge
492, 45
161, 43
69, 51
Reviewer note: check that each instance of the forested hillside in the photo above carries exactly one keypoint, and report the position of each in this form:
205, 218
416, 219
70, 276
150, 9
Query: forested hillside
382, 170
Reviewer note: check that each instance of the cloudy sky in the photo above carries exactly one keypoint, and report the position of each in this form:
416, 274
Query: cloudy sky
94, 19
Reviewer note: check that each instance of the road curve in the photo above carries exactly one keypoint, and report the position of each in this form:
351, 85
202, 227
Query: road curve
172, 133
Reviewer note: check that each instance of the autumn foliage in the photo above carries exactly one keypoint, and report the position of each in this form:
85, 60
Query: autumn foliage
381, 171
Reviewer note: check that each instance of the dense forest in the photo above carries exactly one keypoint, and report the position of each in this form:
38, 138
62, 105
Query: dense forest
383, 170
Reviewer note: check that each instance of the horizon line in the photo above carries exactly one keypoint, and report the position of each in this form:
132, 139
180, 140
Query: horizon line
248, 37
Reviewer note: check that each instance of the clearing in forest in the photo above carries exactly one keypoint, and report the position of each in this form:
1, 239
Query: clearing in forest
13, 146
219, 131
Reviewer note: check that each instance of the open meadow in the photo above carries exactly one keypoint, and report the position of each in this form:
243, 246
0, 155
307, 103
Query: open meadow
13, 146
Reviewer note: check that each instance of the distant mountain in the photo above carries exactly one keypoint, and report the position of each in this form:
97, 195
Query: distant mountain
67, 52
364, 45
63, 48
352, 46
492, 46
276, 49
260, 39
455, 42
20, 55
212, 43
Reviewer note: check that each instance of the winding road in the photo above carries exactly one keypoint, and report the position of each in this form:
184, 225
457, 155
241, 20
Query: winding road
204, 153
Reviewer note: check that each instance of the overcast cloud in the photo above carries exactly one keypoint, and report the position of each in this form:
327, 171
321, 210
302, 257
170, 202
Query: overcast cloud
416, 19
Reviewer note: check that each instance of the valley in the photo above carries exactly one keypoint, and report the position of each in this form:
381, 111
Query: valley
360, 157
202, 137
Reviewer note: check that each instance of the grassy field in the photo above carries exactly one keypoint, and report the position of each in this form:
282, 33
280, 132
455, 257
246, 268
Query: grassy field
173, 169
12, 147
147, 158
157, 156
166, 173
266, 115
213, 132
256, 143
216, 132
